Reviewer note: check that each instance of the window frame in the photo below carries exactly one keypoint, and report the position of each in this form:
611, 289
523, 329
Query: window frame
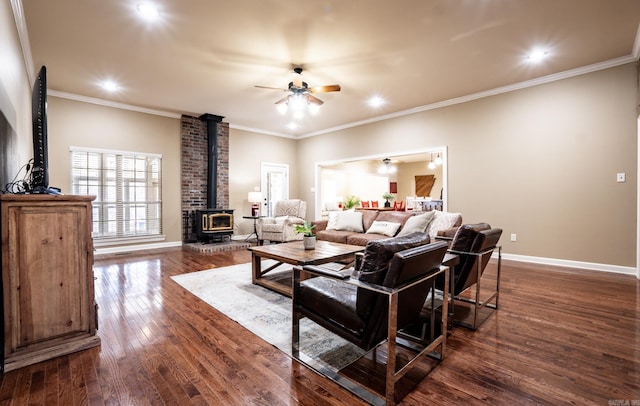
146, 182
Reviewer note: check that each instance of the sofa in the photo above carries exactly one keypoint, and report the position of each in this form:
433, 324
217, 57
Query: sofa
359, 226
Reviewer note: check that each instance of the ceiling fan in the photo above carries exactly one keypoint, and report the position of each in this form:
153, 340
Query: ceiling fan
301, 92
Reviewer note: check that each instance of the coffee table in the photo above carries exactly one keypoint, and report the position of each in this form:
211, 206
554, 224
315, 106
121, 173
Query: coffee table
294, 253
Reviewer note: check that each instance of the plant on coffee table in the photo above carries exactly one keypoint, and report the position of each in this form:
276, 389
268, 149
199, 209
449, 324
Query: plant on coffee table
308, 239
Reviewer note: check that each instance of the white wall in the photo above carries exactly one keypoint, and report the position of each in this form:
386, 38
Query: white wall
78, 124
540, 162
15, 86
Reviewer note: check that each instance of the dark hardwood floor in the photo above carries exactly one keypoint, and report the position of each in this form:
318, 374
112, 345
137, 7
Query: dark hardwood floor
561, 336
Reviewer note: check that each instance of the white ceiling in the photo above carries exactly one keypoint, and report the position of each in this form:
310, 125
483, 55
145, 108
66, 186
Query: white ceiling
206, 56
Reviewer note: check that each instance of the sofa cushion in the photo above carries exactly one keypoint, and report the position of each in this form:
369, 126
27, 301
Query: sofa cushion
417, 223
441, 221
332, 221
335, 236
349, 221
375, 264
368, 217
363, 238
384, 227
394, 216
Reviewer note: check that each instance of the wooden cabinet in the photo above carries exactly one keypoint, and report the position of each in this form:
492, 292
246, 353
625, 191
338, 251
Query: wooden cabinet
47, 277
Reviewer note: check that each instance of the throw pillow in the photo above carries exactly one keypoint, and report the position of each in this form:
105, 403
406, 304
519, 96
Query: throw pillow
441, 221
332, 223
384, 227
417, 223
349, 221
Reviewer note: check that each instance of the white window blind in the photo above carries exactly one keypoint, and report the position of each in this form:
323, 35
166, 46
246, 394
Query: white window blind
128, 190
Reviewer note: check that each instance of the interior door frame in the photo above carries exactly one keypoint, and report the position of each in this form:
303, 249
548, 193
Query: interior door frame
442, 149
265, 169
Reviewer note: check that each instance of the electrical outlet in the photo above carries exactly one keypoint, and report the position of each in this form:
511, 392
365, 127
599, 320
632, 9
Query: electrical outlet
621, 177
514, 237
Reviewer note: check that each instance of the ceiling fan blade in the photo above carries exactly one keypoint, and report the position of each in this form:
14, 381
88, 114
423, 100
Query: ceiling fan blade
324, 89
271, 88
314, 100
282, 100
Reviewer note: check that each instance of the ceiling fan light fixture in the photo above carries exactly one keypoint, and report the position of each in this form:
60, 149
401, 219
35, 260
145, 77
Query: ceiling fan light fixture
314, 108
386, 167
297, 102
282, 108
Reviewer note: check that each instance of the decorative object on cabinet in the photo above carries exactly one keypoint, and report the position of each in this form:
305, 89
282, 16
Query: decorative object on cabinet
47, 277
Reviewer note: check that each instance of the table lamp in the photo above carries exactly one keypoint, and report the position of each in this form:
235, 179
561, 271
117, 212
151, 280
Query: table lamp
255, 198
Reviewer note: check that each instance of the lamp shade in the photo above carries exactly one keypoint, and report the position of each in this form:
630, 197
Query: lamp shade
254, 197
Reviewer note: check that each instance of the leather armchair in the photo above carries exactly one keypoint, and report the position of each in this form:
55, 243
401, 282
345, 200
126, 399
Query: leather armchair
384, 295
280, 227
474, 244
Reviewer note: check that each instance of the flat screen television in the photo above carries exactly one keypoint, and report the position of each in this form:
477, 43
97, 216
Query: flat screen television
40, 169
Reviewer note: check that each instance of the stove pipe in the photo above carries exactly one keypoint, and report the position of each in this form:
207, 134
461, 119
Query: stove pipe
212, 158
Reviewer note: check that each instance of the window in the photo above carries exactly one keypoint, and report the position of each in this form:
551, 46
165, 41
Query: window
128, 190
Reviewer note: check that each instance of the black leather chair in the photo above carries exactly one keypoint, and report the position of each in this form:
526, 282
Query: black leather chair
474, 244
385, 295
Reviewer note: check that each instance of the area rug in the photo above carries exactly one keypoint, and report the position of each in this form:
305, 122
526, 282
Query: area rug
265, 313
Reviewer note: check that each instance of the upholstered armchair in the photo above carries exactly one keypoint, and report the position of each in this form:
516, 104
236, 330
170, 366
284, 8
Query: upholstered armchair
280, 227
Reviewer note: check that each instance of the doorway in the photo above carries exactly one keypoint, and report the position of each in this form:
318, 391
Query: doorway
274, 183
336, 179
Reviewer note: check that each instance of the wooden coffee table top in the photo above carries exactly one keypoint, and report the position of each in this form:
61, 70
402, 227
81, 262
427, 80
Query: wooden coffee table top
295, 254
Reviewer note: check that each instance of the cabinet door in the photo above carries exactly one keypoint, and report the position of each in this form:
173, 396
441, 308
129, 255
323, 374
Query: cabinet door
48, 276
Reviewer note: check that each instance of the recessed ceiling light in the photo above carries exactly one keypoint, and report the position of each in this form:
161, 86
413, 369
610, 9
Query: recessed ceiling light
110, 86
537, 55
376, 101
148, 11
292, 126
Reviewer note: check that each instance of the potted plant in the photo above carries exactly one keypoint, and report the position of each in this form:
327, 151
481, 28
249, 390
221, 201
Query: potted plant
387, 196
308, 239
350, 202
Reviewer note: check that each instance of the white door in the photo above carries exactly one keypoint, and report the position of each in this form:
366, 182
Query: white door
274, 185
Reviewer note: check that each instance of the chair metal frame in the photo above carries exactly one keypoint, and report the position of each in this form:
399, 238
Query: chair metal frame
392, 340
477, 302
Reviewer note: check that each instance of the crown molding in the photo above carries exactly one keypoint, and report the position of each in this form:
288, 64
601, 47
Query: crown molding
259, 131
23, 36
107, 103
636, 45
492, 92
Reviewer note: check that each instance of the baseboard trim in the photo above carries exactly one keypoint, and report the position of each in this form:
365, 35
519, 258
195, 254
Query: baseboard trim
627, 270
137, 247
